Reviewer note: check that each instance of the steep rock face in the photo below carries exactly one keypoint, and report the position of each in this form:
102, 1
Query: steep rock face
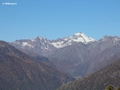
110, 75
19, 71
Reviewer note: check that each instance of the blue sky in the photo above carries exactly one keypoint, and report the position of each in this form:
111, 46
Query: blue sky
58, 18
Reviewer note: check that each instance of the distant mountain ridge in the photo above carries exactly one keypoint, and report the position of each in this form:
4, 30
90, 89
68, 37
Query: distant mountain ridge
78, 55
45, 47
58, 43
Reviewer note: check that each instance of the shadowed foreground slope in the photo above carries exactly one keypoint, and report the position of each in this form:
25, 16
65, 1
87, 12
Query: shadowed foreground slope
19, 71
98, 80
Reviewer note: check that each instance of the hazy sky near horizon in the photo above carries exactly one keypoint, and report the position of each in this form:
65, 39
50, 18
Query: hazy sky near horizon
52, 19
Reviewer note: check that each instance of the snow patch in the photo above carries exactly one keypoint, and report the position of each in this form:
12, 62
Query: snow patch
27, 44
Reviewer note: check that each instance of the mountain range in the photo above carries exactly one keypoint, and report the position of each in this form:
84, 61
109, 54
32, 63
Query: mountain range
43, 64
77, 55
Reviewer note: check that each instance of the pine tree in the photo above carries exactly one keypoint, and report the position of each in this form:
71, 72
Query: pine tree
110, 87
118, 88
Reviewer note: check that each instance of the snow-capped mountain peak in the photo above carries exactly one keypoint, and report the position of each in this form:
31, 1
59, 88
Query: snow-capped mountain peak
45, 44
77, 37
81, 37
40, 37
